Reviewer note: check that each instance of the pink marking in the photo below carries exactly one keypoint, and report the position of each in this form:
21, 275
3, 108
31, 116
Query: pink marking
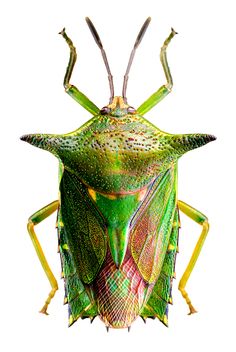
120, 293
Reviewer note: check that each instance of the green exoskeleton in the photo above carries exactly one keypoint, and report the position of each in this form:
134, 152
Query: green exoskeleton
118, 211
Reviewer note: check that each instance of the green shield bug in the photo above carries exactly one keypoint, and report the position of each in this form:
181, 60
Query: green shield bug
118, 212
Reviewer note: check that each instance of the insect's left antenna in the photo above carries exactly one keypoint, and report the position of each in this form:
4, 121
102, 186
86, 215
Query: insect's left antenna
99, 43
136, 44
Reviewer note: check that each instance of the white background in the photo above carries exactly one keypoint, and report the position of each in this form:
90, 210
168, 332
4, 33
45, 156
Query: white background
33, 61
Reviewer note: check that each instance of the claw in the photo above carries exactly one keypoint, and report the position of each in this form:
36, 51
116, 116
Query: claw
62, 32
192, 309
173, 31
44, 310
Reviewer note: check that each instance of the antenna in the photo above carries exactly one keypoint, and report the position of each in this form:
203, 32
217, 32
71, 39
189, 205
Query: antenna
136, 44
99, 43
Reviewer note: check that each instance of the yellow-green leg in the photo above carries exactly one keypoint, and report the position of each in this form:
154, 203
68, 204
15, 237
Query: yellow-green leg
71, 89
35, 219
203, 221
164, 90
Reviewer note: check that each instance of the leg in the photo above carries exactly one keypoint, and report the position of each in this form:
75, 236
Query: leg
202, 220
35, 219
70, 89
164, 90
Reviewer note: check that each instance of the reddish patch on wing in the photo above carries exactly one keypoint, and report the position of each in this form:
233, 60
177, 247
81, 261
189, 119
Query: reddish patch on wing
120, 292
152, 225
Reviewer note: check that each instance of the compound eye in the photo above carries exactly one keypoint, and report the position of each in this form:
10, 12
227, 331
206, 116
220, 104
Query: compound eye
131, 110
105, 110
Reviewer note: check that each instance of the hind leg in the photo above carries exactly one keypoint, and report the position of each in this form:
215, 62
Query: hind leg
35, 219
201, 219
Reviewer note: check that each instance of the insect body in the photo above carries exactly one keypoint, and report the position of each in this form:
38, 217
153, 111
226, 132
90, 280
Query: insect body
118, 212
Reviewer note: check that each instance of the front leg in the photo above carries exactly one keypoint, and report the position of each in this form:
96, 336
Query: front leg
70, 89
201, 219
164, 90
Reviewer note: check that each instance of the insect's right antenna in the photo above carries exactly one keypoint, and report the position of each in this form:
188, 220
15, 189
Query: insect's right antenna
99, 43
136, 44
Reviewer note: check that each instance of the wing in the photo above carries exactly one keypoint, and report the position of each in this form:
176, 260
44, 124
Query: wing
151, 226
79, 298
157, 304
84, 227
